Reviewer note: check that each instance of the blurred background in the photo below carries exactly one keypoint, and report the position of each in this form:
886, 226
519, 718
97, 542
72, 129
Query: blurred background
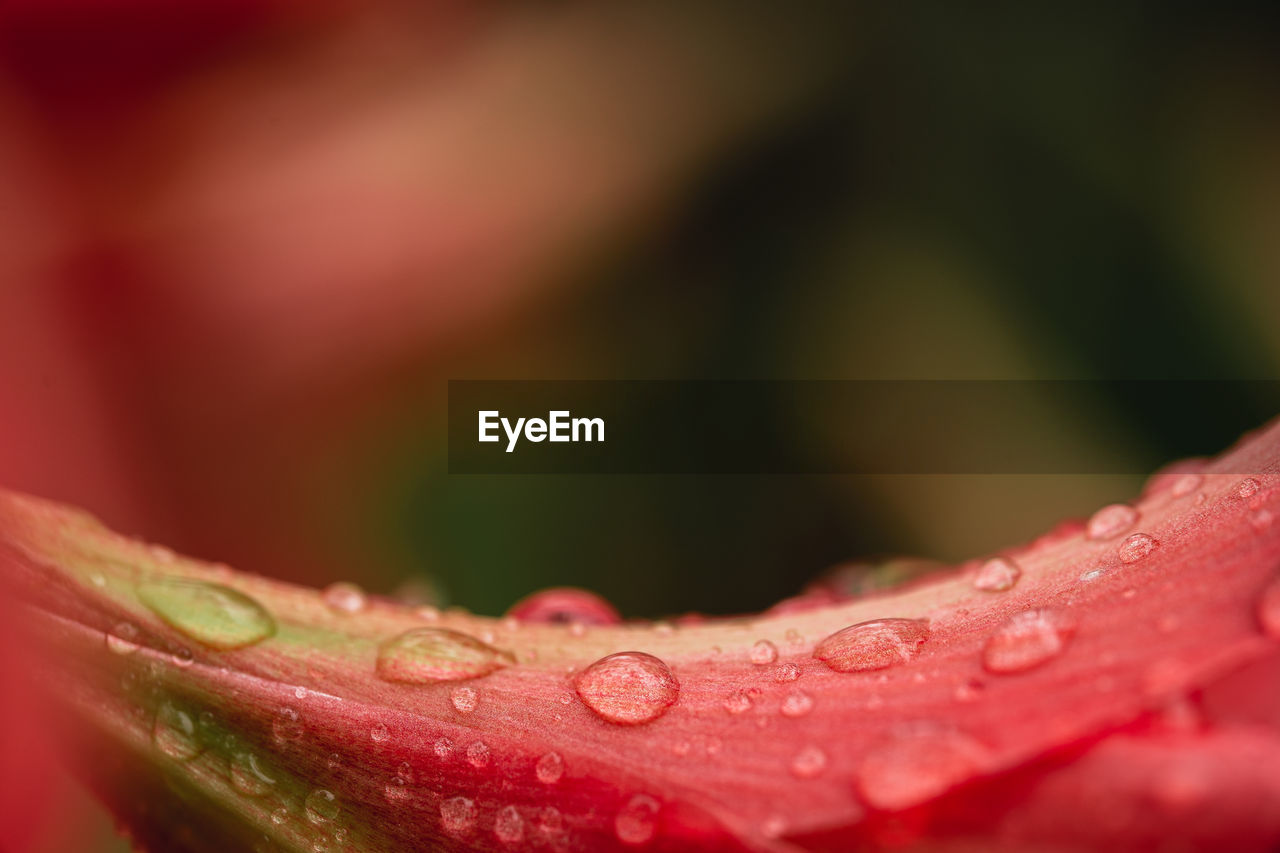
245, 243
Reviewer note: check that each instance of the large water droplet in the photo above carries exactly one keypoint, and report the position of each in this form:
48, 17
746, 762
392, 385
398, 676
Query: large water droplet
637, 822
508, 826
998, 574
427, 655
457, 815
344, 597
175, 733
565, 606
123, 639
1027, 640
248, 777
917, 766
464, 699
763, 653
809, 762
322, 807
550, 768
1137, 547
1111, 521
872, 645
628, 688
797, 703
211, 614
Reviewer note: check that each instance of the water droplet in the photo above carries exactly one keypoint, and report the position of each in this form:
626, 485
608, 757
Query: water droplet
248, 777
98, 579
917, 766
763, 653
550, 821
300, 693
565, 606
737, 702
809, 762
322, 807
550, 768
628, 688
1137, 547
508, 826
1092, 575
1027, 640
457, 815
344, 597
872, 645
1247, 488
794, 637
1185, 485
286, 726
1111, 521
161, 554
478, 754
427, 655
774, 826
637, 822
998, 574
797, 703
786, 672
182, 657
464, 699
123, 639
1269, 610
443, 748
174, 733
969, 691
279, 816
428, 613
379, 733
1261, 519
211, 614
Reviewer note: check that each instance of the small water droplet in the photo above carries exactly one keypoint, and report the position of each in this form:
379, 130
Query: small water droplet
1247, 488
175, 734
628, 688
427, 655
794, 637
1261, 519
774, 827
1269, 610
1137, 547
428, 613
464, 699
1185, 485
211, 614
786, 672
161, 554
916, 766
550, 768
123, 639
457, 815
443, 748
300, 693
248, 776
877, 644
999, 574
1111, 521
344, 597
286, 726
379, 733
550, 821
279, 816
1027, 640
322, 807
797, 703
763, 653
478, 754
970, 690
182, 657
1092, 575
637, 822
680, 748
508, 826
98, 579
809, 762
737, 702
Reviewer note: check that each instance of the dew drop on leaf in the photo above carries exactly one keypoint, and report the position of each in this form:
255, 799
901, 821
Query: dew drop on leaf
478, 754
379, 733
1137, 547
809, 762
508, 826
321, 807
915, 766
123, 639
550, 821
443, 749
464, 699
457, 815
565, 606
797, 703
1111, 521
876, 644
344, 597
999, 574
1261, 519
737, 702
550, 768
786, 672
1269, 610
1027, 640
175, 734
211, 614
637, 822
286, 726
248, 777
628, 688
763, 653
428, 655
1186, 484
1247, 488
